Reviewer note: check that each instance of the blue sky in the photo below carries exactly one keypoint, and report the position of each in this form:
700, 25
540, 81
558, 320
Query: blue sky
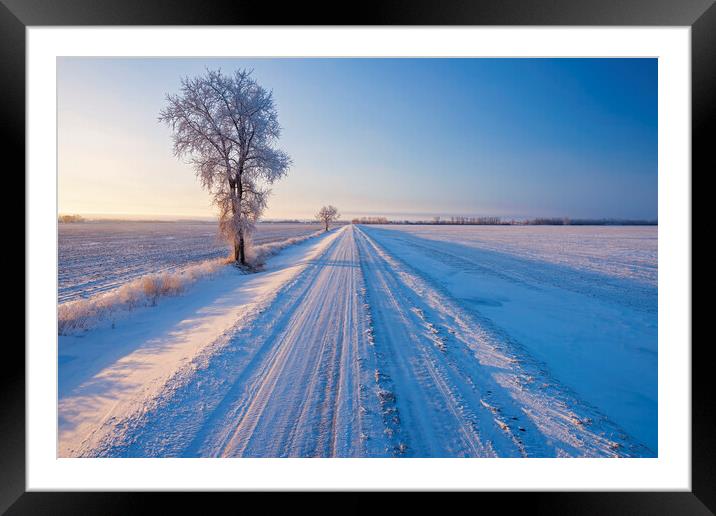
404, 138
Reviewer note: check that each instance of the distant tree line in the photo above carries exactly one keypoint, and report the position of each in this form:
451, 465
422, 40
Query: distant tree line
588, 222
612, 222
70, 218
373, 220
481, 221
497, 221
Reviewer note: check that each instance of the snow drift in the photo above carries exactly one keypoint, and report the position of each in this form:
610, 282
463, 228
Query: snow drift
83, 314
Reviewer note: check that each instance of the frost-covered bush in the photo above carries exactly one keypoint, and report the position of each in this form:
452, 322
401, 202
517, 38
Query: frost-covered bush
83, 314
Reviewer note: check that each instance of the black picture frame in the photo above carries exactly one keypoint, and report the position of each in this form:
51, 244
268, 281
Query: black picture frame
700, 15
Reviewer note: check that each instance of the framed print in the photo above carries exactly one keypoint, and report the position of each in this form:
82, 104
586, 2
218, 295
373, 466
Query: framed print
431, 247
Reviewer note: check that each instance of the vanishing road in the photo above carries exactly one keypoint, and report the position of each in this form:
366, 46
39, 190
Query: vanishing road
351, 354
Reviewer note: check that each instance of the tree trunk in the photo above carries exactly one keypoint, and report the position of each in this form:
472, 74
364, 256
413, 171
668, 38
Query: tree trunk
242, 249
326, 226
232, 186
240, 195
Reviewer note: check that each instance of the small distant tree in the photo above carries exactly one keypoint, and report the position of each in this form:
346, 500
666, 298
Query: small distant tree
327, 214
227, 127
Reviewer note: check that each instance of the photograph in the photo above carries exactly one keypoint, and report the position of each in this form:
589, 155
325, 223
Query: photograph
357, 257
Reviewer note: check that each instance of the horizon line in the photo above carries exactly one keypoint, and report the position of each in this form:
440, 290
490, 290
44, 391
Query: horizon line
427, 218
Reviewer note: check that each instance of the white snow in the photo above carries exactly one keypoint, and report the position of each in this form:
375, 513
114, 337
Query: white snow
99, 256
616, 251
110, 373
368, 341
582, 300
150, 278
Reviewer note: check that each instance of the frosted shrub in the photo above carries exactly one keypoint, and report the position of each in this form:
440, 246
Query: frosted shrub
149, 287
83, 314
171, 284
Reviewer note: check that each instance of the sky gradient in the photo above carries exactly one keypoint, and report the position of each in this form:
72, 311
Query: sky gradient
403, 138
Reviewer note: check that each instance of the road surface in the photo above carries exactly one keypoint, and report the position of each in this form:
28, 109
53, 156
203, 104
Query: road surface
348, 354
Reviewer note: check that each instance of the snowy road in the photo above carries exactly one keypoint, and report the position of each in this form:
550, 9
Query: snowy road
338, 350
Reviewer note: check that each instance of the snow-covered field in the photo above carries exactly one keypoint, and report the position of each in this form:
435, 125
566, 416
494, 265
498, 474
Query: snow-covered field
98, 256
615, 251
395, 341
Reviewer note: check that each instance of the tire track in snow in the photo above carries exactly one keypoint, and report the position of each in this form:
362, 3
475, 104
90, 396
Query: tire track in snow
540, 416
191, 406
359, 356
298, 404
439, 412
289, 383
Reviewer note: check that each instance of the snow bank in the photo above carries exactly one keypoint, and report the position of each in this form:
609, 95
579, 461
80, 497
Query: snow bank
258, 254
83, 314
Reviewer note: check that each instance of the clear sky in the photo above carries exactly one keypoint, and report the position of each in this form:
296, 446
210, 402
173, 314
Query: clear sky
404, 138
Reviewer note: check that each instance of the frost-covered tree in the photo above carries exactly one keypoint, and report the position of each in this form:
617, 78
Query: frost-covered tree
227, 127
327, 214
